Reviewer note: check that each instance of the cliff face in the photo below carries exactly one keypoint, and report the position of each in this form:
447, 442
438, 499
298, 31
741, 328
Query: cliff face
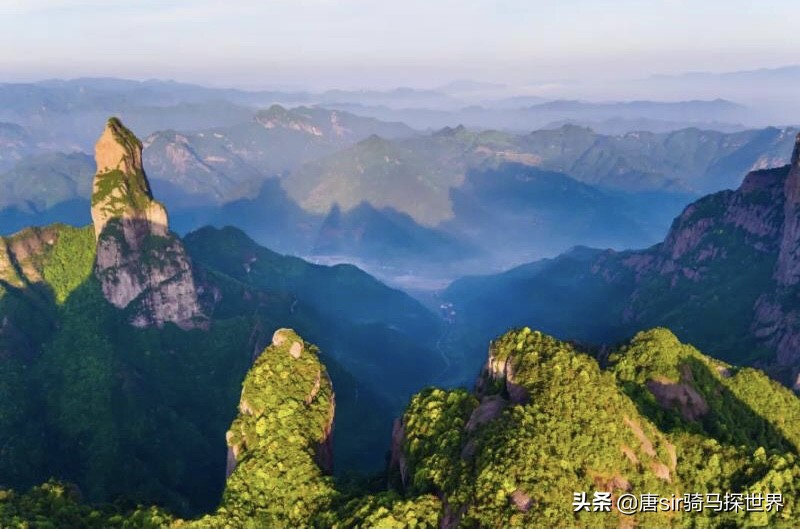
788, 270
139, 261
727, 272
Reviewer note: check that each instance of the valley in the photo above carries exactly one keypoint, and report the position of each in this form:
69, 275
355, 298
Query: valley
293, 306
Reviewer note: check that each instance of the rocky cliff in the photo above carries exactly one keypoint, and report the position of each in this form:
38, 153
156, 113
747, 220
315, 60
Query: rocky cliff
728, 272
140, 263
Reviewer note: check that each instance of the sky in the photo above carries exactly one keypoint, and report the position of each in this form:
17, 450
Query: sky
378, 44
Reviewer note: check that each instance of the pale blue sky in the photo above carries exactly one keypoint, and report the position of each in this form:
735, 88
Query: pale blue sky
349, 43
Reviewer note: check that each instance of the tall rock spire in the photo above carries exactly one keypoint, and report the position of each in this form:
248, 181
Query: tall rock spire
140, 263
121, 189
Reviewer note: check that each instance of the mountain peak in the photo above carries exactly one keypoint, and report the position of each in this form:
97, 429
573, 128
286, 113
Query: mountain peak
796, 153
138, 259
121, 188
280, 117
451, 131
118, 149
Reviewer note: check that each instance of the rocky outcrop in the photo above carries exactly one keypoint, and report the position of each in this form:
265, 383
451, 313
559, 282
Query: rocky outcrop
738, 247
285, 373
21, 255
140, 263
788, 269
500, 370
680, 395
277, 116
398, 460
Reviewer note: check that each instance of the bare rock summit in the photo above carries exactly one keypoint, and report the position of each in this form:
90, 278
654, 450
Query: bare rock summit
140, 263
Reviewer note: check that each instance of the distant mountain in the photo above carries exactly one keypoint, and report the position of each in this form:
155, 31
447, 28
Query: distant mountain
46, 188
783, 73
471, 184
684, 160
725, 278
40, 182
688, 160
386, 236
62, 114
397, 98
621, 126
411, 176
769, 93
15, 143
518, 114
681, 110
281, 173
220, 164
517, 211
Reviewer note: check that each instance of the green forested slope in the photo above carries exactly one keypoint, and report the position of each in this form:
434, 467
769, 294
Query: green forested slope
141, 414
545, 421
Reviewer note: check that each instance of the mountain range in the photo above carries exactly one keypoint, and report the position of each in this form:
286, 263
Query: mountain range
122, 345
203, 380
724, 279
338, 187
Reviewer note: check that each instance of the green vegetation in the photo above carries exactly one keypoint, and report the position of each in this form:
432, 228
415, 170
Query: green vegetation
123, 135
70, 261
745, 408
141, 414
434, 423
42, 182
118, 192
545, 422
389, 510
56, 505
715, 311
286, 416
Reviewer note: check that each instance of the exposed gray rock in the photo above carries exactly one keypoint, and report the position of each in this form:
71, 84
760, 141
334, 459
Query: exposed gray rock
140, 263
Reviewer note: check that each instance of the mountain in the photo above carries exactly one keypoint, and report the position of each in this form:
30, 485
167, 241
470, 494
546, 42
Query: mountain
471, 184
15, 143
515, 114
123, 346
139, 261
546, 420
38, 183
386, 236
224, 163
689, 159
768, 92
550, 437
63, 114
287, 174
412, 176
723, 279
41, 189
681, 161
515, 211
693, 110
621, 126
402, 97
